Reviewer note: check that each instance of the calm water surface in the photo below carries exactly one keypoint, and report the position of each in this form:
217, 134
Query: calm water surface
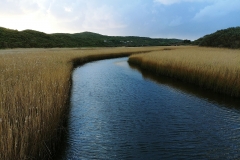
119, 113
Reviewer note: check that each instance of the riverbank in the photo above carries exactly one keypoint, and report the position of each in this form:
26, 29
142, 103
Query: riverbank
210, 68
34, 94
119, 113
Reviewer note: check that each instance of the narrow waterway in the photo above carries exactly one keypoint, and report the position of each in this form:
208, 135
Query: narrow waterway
118, 112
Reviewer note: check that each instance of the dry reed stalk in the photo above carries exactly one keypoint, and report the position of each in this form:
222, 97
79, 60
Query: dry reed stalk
34, 96
210, 68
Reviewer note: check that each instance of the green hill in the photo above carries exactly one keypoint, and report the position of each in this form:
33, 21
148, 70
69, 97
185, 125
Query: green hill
228, 38
34, 39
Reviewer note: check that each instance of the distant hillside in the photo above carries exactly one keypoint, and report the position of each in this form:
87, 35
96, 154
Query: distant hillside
229, 38
34, 39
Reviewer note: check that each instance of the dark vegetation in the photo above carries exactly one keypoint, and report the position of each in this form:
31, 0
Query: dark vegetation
34, 39
227, 38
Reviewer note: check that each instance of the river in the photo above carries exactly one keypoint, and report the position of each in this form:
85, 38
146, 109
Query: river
118, 112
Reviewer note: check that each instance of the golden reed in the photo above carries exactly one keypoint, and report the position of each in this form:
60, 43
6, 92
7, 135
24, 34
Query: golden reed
34, 96
211, 68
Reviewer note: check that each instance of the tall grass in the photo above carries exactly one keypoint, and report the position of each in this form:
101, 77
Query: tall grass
34, 97
210, 68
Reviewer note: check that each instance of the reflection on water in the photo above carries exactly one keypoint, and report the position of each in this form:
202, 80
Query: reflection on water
191, 89
119, 114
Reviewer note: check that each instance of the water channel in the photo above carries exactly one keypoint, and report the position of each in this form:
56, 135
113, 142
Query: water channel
118, 112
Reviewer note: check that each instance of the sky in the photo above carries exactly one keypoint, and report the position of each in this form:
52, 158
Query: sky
183, 19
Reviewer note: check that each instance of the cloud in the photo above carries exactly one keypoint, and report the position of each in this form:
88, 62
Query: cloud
100, 18
170, 2
88, 16
121, 17
27, 14
59, 15
67, 9
218, 9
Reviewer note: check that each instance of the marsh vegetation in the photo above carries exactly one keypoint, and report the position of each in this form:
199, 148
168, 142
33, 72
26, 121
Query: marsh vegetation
35, 87
34, 97
210, 68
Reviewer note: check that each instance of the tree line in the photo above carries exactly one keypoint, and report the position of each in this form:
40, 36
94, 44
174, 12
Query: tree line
33, 39
227, 38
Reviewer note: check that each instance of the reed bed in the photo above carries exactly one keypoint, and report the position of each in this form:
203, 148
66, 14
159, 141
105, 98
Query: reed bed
211, 68
34, 97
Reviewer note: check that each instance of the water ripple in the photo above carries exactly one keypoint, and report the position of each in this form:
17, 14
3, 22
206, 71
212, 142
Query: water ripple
118, 114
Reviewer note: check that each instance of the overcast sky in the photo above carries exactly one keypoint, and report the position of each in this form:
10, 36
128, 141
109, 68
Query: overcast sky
185, 19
